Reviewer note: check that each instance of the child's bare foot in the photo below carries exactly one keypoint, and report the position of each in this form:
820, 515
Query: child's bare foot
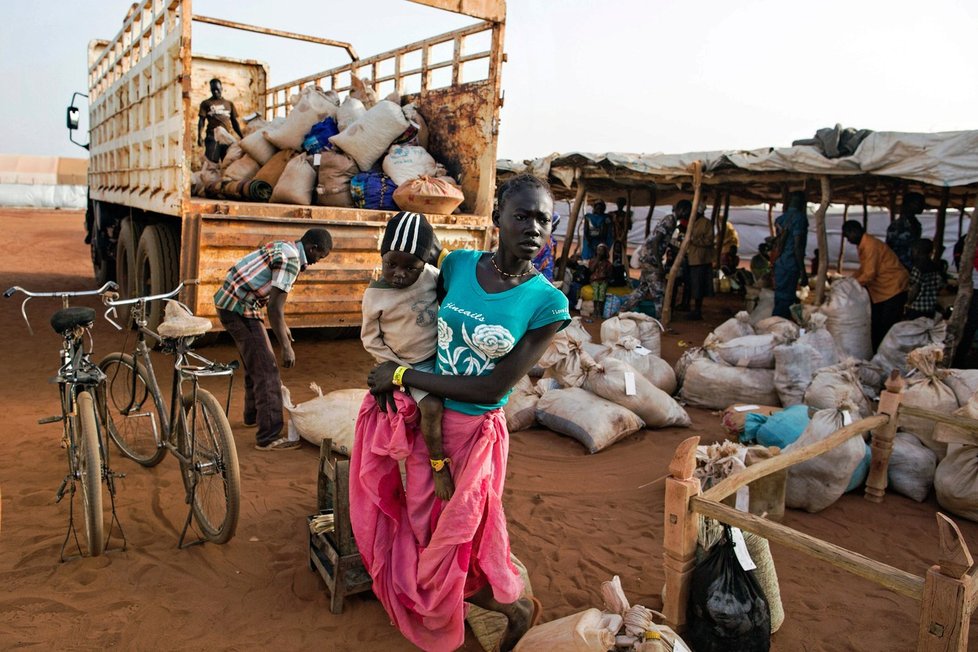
444, 485
520, 621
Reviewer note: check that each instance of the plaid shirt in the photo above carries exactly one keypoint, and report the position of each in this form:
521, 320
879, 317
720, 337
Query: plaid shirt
249, 282
930, 284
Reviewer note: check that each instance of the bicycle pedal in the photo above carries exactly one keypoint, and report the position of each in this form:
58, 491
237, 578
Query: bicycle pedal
60, 493
46, 420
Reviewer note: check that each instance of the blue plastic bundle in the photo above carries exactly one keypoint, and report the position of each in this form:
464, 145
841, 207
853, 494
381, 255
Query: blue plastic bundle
318, 137
373, 190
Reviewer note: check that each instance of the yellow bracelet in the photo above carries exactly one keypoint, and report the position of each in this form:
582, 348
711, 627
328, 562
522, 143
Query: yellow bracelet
438, 465
398, 378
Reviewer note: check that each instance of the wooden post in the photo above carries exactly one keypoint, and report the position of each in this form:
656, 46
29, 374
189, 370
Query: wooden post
941, 221
865, 210
893, 204
628, 228
963, 299
724, 218
883, 438
949, 594
571, 227
842, 240
653, 196
697, 171
681, 528
770, 218
823, 240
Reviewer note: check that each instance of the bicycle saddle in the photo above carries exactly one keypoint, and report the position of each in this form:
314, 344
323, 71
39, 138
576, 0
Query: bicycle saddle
67, 318
179, 322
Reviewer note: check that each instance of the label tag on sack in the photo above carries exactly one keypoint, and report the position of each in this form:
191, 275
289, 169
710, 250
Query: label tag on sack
641, 350
801, 331
746, 408
846, 418
743, 500
740, 549
630, 383
316, 159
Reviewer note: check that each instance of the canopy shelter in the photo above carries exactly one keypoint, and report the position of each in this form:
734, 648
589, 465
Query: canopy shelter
943, 167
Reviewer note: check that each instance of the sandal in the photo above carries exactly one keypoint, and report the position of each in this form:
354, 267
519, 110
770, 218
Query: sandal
280, 444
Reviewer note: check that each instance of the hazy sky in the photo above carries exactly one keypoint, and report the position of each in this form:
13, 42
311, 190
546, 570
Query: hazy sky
611, 75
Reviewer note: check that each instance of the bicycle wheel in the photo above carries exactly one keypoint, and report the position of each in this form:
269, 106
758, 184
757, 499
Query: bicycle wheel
212, 472
88, 467
137, 419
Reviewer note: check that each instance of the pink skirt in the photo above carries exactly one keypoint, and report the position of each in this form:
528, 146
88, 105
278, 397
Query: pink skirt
426, 555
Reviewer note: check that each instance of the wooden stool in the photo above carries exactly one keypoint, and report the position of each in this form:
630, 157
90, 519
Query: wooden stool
334, 554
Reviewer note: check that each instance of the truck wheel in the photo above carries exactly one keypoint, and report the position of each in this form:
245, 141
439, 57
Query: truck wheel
125, 261
157, 267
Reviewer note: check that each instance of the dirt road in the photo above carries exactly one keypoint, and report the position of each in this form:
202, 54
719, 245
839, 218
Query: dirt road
575, 520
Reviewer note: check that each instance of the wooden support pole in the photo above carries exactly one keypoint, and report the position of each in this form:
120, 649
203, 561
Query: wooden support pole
893, 204
823, 240
722, 231
770, 218
680, 531
892, 578
949, 594
653, 196
571, 227
941, 221
697, 172
883, 438
962, 301
842, 240
865, 210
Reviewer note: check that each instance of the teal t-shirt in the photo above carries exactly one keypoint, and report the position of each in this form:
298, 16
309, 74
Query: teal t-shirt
476, 329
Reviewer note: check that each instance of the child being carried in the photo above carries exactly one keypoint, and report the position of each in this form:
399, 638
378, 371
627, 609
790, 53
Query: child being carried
400, 314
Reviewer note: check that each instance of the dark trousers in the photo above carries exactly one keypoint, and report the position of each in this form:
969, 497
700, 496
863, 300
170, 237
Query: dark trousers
700, 285
263, 385
967, 334
214, 151
786, 279
884, 315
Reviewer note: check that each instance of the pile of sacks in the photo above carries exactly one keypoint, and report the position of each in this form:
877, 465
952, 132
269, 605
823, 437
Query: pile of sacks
358, 153
600, 393
621, 626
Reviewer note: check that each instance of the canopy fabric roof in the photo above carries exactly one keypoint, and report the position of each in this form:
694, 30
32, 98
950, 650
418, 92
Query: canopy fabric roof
885, 165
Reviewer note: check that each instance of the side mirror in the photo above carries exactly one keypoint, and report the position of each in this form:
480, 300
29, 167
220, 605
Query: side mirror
72, 118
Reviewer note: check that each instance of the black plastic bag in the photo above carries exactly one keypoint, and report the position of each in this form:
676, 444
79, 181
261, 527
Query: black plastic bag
727, 609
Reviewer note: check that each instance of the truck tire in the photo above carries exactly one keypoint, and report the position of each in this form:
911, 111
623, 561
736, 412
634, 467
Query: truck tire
125, 261
157, 267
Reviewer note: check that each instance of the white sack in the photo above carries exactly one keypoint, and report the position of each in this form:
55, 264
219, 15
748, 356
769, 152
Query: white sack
332, 416
296, 184
736, 326
752, 351
714, 385
904, 337
956, 481
520, 409
647, 329
657, 409
836, 384
926, 389
963, 382
591, 420
764, 307
563, 359
686, 359
630, 351
257, 146
576, 328
818, 337
786, 329
848, 311
313, 107
405, 163
349, 112
815, 484
244, 168
371, 135
233, 154
911, 467
794, 367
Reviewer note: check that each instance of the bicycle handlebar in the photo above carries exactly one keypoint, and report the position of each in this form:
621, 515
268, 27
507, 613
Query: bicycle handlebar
110, 286
112, 303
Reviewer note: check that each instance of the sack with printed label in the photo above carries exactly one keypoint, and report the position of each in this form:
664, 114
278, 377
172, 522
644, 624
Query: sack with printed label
630, 351
404, 163
815, 484
593, 421
613, 380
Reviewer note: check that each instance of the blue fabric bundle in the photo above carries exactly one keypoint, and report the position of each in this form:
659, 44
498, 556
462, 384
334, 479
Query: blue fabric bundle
373, 190
784, 427
318, 137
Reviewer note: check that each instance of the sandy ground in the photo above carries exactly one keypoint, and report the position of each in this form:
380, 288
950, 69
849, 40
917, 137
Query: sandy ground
575, 519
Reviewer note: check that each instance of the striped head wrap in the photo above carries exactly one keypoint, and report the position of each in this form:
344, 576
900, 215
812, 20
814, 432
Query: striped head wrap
410, 233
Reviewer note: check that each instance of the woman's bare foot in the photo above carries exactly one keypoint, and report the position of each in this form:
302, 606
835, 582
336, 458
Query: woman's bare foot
444, 485
520, 620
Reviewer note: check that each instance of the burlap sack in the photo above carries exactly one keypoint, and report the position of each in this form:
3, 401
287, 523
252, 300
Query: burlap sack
611, 380
275, 166
313, 106
904, 337
736, 326
926, 389
835, 384
333, 187
911, 468
242, 169
429, 195
593, 421
751, 351
521, 407
815, 484
332, 416
715, 385
848, 314
296, 184
405, 163
956, 481
786, 329
647, 329
630, 351
367, 139
564, 358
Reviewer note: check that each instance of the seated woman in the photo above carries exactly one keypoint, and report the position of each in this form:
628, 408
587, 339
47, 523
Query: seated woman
427, 556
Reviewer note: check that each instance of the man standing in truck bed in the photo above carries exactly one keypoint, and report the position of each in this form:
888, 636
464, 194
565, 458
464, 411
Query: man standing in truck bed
216, 112
265, 277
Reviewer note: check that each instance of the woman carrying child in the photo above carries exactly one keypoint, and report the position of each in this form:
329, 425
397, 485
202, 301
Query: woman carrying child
427, 556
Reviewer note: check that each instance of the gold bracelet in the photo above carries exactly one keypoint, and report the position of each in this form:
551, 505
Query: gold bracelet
438, 465
398, 378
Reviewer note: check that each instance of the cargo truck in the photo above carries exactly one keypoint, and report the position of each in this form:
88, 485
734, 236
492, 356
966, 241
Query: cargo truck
147, 232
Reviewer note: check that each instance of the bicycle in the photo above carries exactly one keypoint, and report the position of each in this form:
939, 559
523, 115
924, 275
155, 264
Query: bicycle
143, 428
82, 391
